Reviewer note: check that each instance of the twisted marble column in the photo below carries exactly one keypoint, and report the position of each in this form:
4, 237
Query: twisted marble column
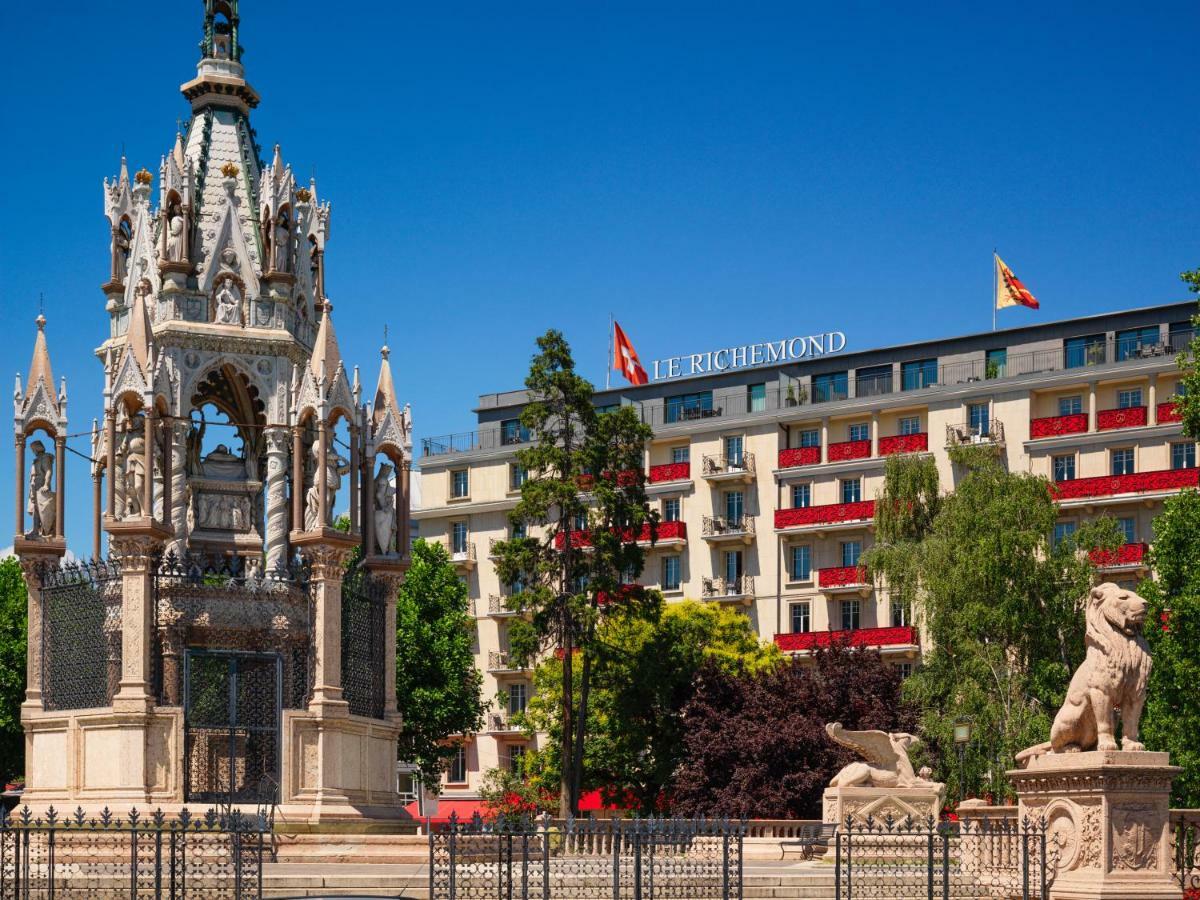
277, 498
180, 493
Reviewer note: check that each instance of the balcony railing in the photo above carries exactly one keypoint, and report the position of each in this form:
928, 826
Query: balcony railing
904, 443
467, 441
827, 514
799, 456
1127, 555
671, 472
990, 432
501, 661
667, 531
1115, 485
1129, 417
719, 527
718, 466
1055, 426
806, 641
848, 450
728, 588
497, 606
463, 555
498, 723
1168, 412
842, 577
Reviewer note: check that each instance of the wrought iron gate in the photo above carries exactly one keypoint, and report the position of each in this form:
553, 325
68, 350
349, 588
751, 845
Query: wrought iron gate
232, 703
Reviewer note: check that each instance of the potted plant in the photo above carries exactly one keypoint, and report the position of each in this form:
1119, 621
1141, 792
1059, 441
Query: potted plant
790, 399
16, 783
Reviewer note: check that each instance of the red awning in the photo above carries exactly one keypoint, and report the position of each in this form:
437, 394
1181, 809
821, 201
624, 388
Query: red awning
448, 806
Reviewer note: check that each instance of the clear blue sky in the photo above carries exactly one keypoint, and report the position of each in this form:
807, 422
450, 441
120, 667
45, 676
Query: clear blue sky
709, 173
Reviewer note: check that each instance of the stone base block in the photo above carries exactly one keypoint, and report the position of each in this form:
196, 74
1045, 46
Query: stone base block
1107, 821
879, 803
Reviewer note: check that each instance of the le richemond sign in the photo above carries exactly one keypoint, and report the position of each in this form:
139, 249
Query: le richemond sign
748, 356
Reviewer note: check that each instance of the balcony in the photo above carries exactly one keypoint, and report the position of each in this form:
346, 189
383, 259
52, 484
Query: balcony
1164, 481
665, 474
1129, 417
844, 580
740, 589
1126, 558
717, 529
1168, 412
793, 457
463, 556
500, 663
499, 723
723, 468
1056, 426
904, 443
848, 450
669, 534
904, 636
497, 607
988, 434
816, 518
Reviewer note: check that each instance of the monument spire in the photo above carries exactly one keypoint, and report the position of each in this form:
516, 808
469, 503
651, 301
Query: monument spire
39, 368
220, 80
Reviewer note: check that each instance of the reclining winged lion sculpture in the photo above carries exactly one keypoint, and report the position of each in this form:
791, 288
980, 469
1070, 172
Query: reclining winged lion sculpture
886, 763
1112, 676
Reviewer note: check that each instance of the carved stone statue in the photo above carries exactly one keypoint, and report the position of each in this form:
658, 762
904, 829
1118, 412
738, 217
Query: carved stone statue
222, 463
385, 510
228, 306
135, 474
337, 467
1113, 675
41, 491
195, 443
122, 242
176, 239
886, 762
282, 245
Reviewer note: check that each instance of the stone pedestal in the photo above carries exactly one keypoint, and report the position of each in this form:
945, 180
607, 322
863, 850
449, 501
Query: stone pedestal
878, 803
1107, 820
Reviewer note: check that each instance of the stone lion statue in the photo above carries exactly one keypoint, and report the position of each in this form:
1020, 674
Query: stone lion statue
1112, 676
886, 763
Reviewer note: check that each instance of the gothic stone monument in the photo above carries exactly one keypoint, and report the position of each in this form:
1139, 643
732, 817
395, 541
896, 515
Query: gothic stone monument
1105, 805
221, 653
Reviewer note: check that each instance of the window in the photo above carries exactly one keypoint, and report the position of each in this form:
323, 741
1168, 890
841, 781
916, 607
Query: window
689, 406
518, 696
456, 772
516, 759
1136, 341
516, 588
1063, 531
871, 381
860, 431
851, 490
1122, 461
920, 373
517, 476
801, 618
733, 565
1070, 406
1183, 456
681, 454
979, 419
607, 408
1129, 399
801, 563
810, 437
901, 614
831, 386
519, 530
851, 551
579, 521
801, 496
1128, 528
756, 398
671, 573
672, 508
734, 455
1064, 467
513, 432
1083, 351
734, 507
851, 615
460, 485
458, 537
910, 425
1179, 335
906, 669
995, 363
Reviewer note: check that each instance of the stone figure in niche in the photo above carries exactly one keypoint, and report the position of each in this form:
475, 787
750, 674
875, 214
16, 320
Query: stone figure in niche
281, 244
195, 442
886, 763
41, 491
228, 309
385, 510
336, 466
135, 474
122, 242
176, 238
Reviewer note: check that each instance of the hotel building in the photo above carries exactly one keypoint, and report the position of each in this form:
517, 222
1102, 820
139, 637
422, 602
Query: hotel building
765, 475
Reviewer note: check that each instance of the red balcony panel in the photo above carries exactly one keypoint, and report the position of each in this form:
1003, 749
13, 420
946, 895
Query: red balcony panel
849, 450
1130, 417
860, 637
1140, 482
1053, 426
1168, 412
904, 443
828, 514
799, 456
666, 531
841, 576
1125, 555
671, 472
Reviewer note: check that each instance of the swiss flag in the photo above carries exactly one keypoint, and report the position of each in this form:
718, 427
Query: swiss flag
625, 358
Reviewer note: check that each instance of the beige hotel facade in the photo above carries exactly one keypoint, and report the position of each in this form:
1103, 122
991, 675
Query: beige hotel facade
766, 475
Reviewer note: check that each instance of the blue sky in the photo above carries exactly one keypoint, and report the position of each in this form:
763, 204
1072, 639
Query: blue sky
710, 173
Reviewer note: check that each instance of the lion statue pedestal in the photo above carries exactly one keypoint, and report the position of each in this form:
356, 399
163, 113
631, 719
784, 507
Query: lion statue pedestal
1105, 804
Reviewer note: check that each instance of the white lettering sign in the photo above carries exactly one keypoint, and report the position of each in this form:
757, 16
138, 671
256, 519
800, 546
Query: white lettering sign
749, 356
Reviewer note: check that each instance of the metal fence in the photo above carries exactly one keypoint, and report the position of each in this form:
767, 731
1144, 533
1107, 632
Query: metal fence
138, 856
1185, 849
939, 861
81, 634
364, 608
586, 859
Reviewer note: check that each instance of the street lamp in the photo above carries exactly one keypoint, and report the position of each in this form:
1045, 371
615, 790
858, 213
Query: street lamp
962, 737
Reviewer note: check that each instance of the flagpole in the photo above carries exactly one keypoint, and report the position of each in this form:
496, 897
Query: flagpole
608, 363
995, 287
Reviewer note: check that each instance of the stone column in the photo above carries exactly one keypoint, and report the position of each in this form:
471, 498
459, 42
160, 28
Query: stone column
179, 494
136, 550
97, 509
276, 498
403, 510
60, 485
322, 475
355, 525
149, 425
110, 427
366, 475
1091, 399
328, 557
31, 565
874, 434
298, 478
19, 486
1152, 401
172, 664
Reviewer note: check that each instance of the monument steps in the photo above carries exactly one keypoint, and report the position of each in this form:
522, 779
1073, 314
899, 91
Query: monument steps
331, 849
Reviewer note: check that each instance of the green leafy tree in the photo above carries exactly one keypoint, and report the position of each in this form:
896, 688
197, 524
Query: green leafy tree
905, 511
438, 687
1189, 402
585, 492
13, 610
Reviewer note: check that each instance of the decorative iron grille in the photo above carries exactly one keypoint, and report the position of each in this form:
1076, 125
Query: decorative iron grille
364, 604
80, 858
586, 859
1185, 849
81, 634
887, 858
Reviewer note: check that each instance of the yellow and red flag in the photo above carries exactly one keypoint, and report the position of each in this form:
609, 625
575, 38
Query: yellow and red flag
1009, 289
625, 358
